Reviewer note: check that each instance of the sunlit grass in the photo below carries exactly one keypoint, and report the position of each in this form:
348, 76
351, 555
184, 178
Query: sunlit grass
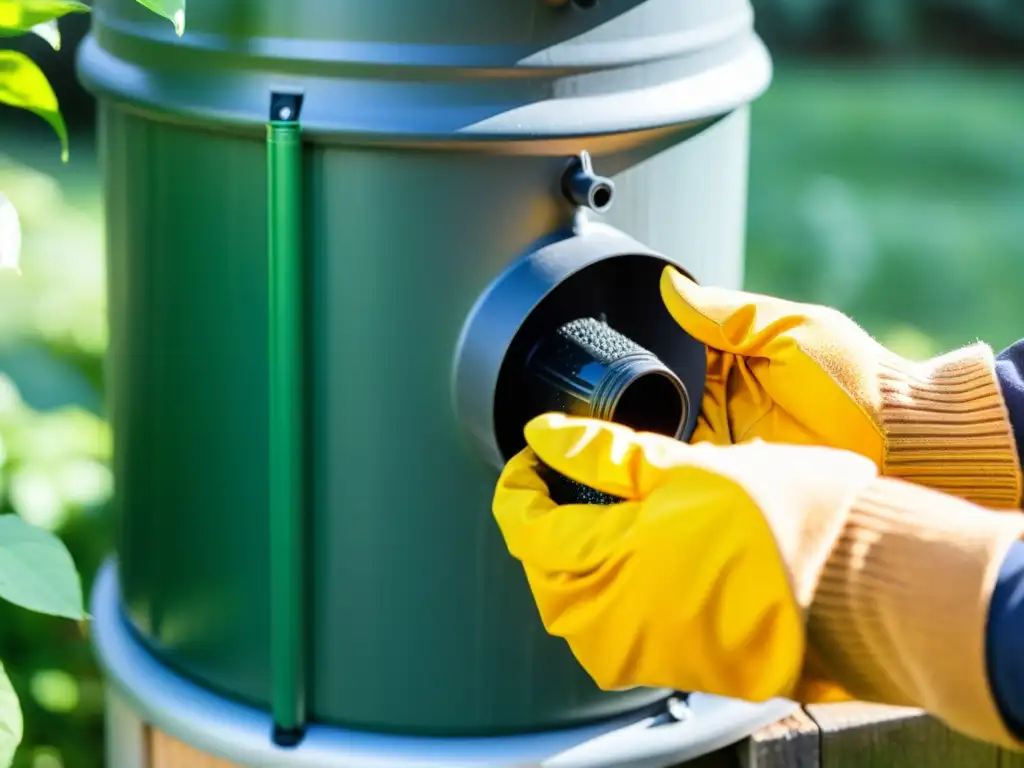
896, 195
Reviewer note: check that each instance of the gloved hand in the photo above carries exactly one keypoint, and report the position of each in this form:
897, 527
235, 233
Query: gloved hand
757, 571
701, 578
806, 374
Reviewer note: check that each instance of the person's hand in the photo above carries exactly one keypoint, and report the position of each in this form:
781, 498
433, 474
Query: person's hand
701, 578
757, 571
805, 374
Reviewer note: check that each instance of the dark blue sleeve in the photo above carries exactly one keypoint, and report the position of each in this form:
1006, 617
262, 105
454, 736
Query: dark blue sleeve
1005, 633
1004, 641
1010, 371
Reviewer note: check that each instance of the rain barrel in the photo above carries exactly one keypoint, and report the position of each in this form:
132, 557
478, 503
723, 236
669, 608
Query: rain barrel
435, 137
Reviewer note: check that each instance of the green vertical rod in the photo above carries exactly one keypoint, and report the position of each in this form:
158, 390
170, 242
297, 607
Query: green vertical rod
287, 418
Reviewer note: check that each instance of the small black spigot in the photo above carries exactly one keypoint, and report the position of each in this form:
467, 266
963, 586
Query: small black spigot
584, 188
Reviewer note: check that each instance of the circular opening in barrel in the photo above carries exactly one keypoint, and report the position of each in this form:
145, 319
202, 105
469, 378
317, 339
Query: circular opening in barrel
624, 292
652, 402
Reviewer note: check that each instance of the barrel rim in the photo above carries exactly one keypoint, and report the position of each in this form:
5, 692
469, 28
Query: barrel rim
392, 111
241, 733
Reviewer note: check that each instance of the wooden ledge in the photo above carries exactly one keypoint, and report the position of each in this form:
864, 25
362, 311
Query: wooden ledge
857, 735
167, 752
851, 735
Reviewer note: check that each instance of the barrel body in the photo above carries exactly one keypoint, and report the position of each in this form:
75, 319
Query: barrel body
420, 185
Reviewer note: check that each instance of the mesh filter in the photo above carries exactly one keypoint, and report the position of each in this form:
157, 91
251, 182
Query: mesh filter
587, 368
602, 341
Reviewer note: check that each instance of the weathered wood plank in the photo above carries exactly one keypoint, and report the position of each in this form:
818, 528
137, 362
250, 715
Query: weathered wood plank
857, 735
167, 752
851, 735
127, 737
789, 743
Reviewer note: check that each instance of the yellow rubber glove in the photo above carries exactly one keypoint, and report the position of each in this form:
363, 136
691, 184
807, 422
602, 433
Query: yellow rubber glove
805, 374
757, 571
700, 579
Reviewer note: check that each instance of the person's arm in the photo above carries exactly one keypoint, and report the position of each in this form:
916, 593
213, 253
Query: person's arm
784, 570
1010, 372
1005, 635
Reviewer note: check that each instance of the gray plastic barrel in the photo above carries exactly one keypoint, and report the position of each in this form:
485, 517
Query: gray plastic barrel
439, 229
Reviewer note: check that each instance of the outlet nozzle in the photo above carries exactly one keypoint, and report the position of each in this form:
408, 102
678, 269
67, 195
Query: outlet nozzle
587, 368
584, 188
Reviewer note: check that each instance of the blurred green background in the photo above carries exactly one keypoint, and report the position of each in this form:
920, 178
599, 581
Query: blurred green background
887, 179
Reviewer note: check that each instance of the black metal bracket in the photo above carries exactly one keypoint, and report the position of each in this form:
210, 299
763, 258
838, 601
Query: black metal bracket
285, 107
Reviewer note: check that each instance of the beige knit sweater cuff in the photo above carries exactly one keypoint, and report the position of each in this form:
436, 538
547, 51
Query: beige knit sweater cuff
946, 426
901, 609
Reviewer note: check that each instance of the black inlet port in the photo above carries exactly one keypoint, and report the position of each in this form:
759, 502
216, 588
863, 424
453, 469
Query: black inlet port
587, 368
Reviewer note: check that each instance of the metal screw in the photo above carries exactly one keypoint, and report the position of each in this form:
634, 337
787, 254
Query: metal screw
678, 709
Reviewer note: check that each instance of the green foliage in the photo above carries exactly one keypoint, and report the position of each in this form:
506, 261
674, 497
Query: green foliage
36, 570
174, 10
19, 16
24, 85
895, 195
816, 25
10, 720
37, 573
54, 448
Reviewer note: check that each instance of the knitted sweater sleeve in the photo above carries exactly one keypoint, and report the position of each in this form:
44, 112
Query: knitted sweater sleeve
921, 601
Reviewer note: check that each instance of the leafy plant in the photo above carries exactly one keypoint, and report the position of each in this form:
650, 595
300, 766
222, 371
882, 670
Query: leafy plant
169, 9
806, 26
37, 571
24, 85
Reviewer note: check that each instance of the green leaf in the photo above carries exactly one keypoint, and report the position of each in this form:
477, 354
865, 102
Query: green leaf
36, 570
24, 85
10, 234
20, 16
169, 9
10, 720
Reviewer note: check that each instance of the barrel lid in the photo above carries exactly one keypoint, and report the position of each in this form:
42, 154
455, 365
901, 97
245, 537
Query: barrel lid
445, 70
